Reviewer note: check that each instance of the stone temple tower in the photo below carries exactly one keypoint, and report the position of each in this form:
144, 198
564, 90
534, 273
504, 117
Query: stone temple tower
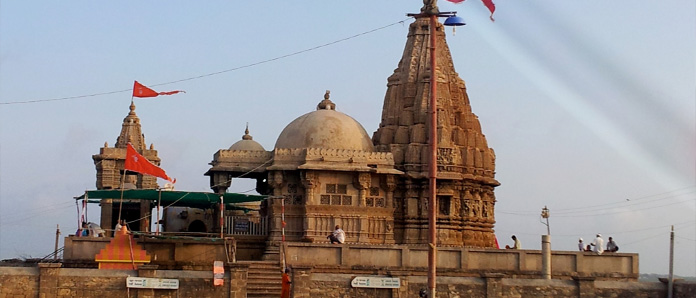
465, 163
109, 164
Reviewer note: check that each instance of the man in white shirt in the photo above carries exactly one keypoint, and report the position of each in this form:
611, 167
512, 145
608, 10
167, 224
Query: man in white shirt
338, 236
581, 245
515, 245
598, 244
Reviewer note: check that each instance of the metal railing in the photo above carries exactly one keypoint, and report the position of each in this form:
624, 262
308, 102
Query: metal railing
243, 225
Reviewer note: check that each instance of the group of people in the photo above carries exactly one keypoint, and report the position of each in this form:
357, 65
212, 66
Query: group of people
90, 229
597, 245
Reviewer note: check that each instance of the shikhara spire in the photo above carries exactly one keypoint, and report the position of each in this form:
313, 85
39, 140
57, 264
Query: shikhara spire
466, 165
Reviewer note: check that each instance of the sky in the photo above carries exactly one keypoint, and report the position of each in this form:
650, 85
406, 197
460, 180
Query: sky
589, 105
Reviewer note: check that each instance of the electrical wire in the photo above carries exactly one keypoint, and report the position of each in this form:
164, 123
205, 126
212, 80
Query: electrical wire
581, 211
213, 73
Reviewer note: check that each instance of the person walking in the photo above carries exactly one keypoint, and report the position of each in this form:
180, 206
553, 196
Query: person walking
285, 286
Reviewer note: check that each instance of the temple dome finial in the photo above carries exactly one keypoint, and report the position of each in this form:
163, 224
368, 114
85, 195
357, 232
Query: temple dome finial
247, 143
326, 104
246, 135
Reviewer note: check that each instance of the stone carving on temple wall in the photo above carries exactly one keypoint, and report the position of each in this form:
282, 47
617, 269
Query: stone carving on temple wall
275, 181
310, 183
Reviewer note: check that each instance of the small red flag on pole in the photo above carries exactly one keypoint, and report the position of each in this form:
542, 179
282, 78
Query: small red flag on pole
488, 3
139, 164
140, 90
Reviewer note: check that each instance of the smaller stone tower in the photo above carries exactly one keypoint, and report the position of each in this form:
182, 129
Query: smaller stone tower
109, 164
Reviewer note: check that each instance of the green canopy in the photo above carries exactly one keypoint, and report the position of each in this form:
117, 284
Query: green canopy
168, 197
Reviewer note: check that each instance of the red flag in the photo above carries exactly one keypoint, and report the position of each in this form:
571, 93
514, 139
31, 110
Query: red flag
488, 3
491, 7
139, 90
139, 164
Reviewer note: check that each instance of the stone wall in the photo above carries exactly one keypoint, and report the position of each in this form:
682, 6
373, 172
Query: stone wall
163, 252
50, 280
465, 261
330, 283
19, 282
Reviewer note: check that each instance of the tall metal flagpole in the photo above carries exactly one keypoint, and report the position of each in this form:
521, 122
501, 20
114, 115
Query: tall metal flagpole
432, 214
431, 11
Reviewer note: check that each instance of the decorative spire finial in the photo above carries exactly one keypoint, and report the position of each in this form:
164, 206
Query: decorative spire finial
430, 7
246, 135
326, 104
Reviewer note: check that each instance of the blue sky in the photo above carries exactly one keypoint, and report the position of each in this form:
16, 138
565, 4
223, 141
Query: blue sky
589, 105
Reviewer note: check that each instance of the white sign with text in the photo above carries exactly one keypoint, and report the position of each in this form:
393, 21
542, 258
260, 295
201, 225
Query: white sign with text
376, 282
151, 283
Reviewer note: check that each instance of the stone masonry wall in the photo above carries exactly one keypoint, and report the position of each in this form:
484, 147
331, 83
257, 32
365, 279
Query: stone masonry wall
335, 283
19, 282
50, 280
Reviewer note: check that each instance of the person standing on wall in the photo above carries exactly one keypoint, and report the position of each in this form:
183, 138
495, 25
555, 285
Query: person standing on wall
598, 244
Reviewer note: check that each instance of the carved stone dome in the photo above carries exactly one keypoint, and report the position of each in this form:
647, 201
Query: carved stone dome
325, 128
247, 143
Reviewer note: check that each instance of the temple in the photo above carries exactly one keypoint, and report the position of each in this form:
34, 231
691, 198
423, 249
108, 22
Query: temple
325, 170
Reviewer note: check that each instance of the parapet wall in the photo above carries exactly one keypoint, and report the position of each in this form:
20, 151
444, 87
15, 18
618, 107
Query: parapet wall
50, 280
465, 261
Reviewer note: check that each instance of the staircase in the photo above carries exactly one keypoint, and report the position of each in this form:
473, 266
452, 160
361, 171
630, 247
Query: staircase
264, 279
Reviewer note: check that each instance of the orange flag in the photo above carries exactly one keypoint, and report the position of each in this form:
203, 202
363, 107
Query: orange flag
139, 164
140, 90
488, 3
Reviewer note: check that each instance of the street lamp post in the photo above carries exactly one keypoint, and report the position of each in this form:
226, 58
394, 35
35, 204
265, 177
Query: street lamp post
431, 11
545, 214
546, 246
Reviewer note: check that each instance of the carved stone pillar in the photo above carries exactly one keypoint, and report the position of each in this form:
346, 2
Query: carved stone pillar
220, 182
389, 187
310, 182
362, 183
275, 181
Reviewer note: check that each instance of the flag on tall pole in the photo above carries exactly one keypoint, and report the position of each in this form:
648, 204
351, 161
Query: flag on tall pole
140, 90
139, 164
488, 3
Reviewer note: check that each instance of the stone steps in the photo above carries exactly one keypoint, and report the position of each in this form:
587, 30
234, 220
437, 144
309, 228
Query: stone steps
263, 279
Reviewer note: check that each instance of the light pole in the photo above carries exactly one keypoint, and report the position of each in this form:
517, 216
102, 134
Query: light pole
545, 214
546, 246
431, 11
